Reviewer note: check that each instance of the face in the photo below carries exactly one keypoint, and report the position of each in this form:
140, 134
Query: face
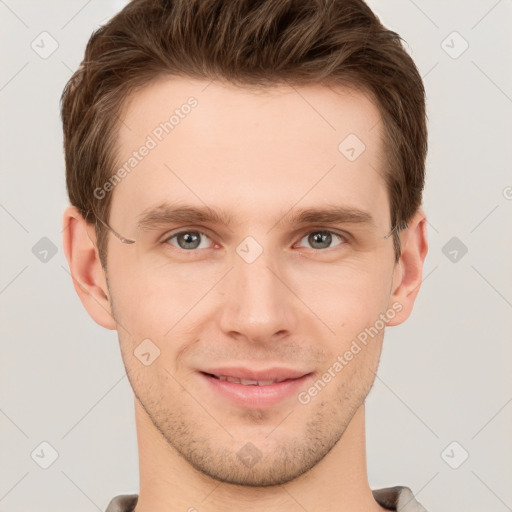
273, 301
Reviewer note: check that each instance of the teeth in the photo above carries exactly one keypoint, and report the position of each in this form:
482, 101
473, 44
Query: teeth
247, 382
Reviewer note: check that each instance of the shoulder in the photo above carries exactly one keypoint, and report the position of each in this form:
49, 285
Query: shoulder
398, 498
123, 503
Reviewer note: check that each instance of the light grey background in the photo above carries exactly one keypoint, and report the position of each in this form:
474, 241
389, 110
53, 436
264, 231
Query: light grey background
445, 375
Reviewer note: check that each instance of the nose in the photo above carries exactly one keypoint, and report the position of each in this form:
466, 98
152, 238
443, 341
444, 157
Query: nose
260, 306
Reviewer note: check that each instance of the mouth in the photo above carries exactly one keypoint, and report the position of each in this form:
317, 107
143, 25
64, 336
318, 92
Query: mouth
245, 382
254, 389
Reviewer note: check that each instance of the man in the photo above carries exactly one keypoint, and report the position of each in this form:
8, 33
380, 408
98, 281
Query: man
245, 182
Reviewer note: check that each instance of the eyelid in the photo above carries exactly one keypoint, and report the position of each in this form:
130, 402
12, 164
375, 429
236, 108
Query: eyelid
179, 231
319, 229
345, 240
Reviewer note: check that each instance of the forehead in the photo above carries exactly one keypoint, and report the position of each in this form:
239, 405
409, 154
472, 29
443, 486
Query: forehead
248, 149
224, 107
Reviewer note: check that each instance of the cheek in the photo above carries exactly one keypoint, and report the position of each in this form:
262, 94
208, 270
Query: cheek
162, 307
139, 317
345, 296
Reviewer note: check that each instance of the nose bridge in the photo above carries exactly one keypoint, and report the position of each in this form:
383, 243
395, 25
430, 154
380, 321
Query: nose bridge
258, 303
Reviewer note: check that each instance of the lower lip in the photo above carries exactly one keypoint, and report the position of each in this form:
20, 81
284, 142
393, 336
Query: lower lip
250, 396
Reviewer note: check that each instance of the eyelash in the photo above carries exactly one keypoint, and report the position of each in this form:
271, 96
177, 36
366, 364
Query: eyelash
345, 237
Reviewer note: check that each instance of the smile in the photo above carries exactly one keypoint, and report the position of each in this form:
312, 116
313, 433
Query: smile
246, 382
252, 389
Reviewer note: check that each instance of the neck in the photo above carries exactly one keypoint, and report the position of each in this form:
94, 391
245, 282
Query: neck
169, 483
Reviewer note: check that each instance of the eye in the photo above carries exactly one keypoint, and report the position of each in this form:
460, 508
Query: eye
187, 240
322, 239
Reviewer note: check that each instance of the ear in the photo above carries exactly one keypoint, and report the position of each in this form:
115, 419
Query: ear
89, 280
407, 275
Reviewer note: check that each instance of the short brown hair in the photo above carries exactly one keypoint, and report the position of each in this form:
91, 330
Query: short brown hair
256, 43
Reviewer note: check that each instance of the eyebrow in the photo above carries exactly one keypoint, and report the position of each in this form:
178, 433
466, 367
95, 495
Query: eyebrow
168, 213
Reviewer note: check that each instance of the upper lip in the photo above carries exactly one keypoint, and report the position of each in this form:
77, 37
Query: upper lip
274, 373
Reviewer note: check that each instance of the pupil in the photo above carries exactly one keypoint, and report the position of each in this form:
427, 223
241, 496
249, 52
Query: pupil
191, 240
323, 237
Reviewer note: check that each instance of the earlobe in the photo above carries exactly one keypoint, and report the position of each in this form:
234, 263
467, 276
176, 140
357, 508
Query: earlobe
408, 271
79, 244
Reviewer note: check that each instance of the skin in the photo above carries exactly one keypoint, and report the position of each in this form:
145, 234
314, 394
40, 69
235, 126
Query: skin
256, 155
